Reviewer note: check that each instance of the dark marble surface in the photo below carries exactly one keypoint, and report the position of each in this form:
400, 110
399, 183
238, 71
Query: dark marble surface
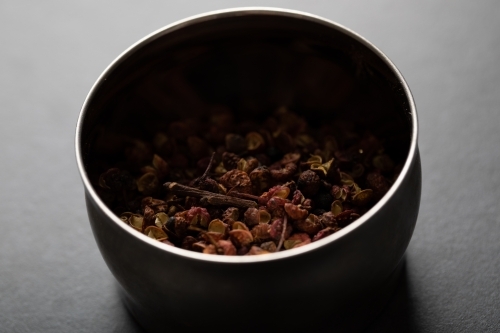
52, 277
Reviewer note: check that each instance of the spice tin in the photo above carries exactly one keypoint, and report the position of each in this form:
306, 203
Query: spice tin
338, 283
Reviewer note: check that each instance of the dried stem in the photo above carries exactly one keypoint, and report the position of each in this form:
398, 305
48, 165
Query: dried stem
209, 166
261, 201
212, 198
282, 238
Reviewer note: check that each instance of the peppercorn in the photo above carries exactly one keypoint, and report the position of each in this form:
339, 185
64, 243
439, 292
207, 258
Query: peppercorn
323, 200
275, 203
276, 229
311, 225
284, 174
327, 219
260, 178
284, 142
292, 182
260, 233
187, 242
251, 217
263, 159
255, 250
116, 180
296, 240
345, 218
255, 142
180, 227
238, 180
235, 143
230, 215
217, 226
295, 212
179, 130
198, 147
309, 183
324, 233
268, 246
247, 164
230, 160
378, 183
241, 238
226, 248
170, 225
198, 216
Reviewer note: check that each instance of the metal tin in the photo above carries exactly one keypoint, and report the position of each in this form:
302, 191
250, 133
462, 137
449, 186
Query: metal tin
337, 283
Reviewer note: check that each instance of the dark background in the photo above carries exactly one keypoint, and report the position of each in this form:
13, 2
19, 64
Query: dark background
52, 277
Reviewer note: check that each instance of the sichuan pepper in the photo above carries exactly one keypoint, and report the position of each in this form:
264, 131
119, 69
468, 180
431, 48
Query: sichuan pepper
245, 189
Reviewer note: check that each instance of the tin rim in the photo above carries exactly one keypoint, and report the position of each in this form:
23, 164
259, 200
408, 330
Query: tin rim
234, 12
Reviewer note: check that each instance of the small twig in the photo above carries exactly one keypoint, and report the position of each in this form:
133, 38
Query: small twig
231, 190
209, 166
212, 198
198, 181
282, 238
229, 201
261, 201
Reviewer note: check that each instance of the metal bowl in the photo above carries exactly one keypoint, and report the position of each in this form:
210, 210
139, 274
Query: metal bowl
251, 57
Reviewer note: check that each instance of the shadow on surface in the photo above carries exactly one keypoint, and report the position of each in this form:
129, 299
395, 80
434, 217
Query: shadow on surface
131, 323
398, 315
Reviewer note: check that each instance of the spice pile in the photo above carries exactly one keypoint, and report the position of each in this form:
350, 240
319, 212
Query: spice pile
242, 188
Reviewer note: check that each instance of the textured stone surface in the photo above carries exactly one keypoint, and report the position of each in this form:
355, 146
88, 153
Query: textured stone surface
52, 278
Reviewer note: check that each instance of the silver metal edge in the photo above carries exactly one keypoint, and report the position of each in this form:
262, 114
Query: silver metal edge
244, 11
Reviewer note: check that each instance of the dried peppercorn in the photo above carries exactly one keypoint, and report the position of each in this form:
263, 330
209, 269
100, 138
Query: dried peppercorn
235, 143
261, 233
217, 226
255, 142
276, 229
187, 243
230, 160
295, 212
296, 240
251, 217
309, 183
284, 174
268, 246
327, 219
230, 215
212, 237
197, 147
260, 178
378, 183
238, 180
255, 250
310, 225
324, 233
323, 200
241, 238
226, 248
116, 180
223, 187
346, 217
247, 164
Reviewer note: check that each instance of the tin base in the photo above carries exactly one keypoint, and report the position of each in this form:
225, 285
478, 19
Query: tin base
357, 317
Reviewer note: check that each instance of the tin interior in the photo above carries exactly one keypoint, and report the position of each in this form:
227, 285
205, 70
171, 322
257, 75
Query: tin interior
252, 64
